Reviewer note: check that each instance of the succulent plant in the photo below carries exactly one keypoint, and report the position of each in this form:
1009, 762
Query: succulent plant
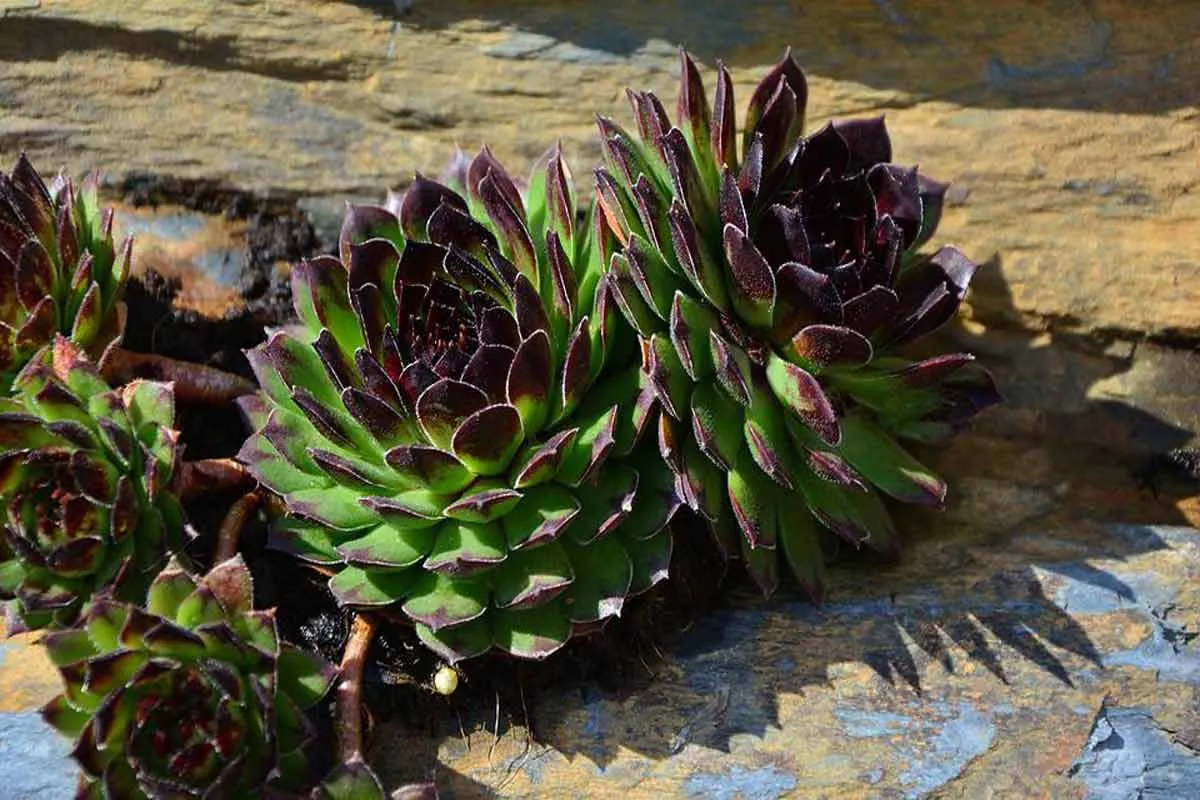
354, 779
59, 270
191, 695
83, 480
455, 429
773, 291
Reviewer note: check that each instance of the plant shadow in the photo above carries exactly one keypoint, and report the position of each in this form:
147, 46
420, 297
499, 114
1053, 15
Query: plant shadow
1078, 55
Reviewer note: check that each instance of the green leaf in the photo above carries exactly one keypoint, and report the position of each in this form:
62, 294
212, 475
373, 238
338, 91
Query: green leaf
352, 780
321, 297
274, 471
716, 423
258, 628
354, 586
486, 501
462, 548
801, 540
859, 517
289, 735
705, 480
750, 279
532, 633
538, 462
389, 547
150, 403
883, 462
459, 642
303, 676
12, 573
638, 313
199, 608
487, 440
168, 591
766, 436
651, 561
752, 496
104, 622
411, 510
732, 367
596, 438
59, 715
334, 506
670, 379
887, 394
430, 468
84, 380
441, 601
654, 281
300, 366
606, 503
623, 390
106, 672
68, 647
803, 395
542, 515
530, 381
532, 576
690, 323
309, 542
231, 583
656, 501
603, 577
763, 567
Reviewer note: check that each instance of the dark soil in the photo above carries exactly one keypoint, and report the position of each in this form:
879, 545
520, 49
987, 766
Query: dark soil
619, 660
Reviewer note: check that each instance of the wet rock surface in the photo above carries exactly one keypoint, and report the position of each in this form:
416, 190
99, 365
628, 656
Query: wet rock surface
1038, 637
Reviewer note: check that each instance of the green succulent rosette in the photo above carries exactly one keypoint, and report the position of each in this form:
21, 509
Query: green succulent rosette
774, 287
191, 695
60, 272
455, 426
84, 474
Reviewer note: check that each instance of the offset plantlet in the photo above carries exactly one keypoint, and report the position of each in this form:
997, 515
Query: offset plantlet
456, 430
84, 474
353, 778
60, 272
192, 695
773, 285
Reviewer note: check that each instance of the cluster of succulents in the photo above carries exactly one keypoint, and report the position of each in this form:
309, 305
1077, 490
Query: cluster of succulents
483, 425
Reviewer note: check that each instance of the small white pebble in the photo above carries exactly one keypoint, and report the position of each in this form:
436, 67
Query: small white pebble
445, 680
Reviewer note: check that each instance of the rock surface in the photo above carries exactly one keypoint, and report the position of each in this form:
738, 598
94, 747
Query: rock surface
1069, 129
1039, 638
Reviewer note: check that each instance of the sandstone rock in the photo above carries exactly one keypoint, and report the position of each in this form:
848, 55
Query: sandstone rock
1039, 637
1070, 130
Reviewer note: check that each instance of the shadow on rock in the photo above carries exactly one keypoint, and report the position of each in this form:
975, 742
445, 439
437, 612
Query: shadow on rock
1107, 56
50, 38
